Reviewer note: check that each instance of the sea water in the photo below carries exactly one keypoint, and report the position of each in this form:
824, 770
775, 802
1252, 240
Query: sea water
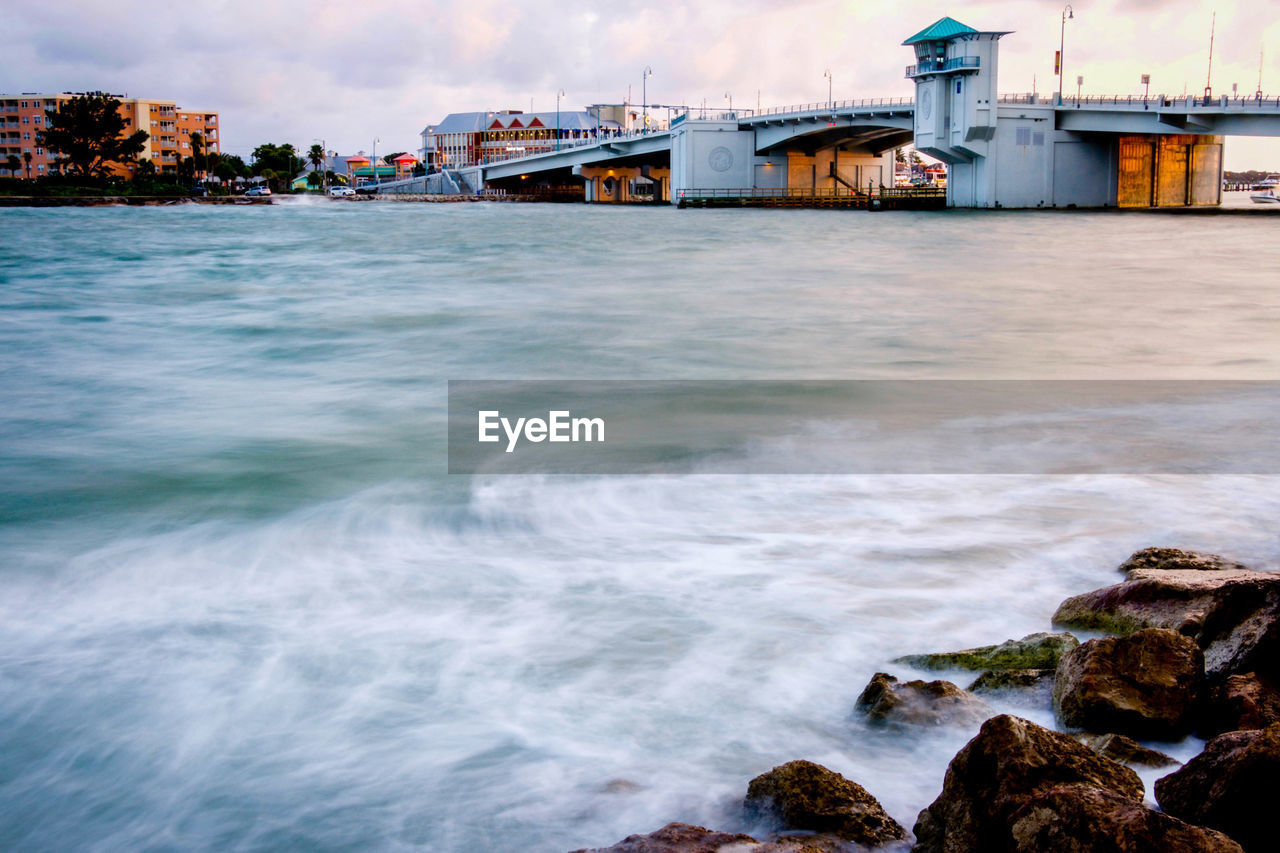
242, 607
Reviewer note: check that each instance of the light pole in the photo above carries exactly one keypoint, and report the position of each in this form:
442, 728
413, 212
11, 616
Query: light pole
827, 74
644, 95
729, 97
374, 162
559, 95
1146, 87
1079, 83
1067, 13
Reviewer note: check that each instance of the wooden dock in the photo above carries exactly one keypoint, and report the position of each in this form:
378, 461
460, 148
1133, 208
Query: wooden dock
881, 198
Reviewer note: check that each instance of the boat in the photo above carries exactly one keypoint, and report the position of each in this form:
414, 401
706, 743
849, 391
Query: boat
1268, 197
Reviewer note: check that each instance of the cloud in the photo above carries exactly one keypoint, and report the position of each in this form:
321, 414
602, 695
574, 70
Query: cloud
293, 71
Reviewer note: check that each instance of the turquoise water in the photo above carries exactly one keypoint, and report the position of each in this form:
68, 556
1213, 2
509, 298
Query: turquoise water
244, 608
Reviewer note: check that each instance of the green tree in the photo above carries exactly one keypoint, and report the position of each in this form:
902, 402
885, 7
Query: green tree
26, 158
390, 159
186, 169
281, 159
89, 134
199, 158
13, 162
316, 155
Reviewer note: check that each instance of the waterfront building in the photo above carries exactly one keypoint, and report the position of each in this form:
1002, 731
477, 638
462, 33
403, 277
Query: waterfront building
471, 139
169, 129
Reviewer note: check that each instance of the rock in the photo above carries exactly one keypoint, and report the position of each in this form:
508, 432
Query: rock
621, 786
1084, 819
801, 844
1234, 616
1231, 787
1146, 685
1034, 651
1008, 763
1171, 559
998, 680
677, 838
932, 703
1127, 751
807, 796
1241, 702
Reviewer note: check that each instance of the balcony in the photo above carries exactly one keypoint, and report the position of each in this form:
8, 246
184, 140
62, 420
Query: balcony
943, 66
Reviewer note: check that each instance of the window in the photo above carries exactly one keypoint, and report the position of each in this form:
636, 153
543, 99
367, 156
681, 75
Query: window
37, 119
26, 120
1024, 136
26, 136
24, 105
958, 82
40, 151
1037, 139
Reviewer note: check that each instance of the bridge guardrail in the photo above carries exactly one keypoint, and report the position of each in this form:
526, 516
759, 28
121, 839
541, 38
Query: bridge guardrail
1156, 102
864, 103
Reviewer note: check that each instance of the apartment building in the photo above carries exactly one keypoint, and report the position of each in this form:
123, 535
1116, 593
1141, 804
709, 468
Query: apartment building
168, 126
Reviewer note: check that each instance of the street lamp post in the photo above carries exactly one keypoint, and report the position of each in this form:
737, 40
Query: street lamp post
1067, 13
373, 163
827, 74
644, 95
1079, 83
729, 97
559, 95
1146, 87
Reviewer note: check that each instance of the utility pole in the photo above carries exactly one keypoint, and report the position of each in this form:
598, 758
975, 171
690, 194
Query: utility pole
1067, 14
1208, 80
644, 95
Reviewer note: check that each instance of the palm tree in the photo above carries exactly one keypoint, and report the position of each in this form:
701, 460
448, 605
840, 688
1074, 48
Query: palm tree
197, 152
13, 163
316, 156
26, 158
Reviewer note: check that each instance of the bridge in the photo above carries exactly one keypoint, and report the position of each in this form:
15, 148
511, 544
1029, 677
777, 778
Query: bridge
1002, 150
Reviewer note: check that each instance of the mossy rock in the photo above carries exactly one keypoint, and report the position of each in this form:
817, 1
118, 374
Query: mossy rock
1034, 651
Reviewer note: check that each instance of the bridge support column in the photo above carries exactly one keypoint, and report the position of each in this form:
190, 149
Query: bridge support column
608, 185
1170, 171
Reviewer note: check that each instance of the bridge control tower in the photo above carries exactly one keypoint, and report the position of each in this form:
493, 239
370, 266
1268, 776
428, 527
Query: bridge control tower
956, 97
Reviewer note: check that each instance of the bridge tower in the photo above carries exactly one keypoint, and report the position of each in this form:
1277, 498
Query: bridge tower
957, 101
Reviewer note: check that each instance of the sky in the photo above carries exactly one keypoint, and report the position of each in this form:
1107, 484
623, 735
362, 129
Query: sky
349, 72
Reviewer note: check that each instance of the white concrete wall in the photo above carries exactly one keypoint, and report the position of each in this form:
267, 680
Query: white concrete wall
712, 155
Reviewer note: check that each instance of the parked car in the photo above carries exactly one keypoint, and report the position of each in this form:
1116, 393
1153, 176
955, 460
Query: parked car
339, 192
199, 191
257, 192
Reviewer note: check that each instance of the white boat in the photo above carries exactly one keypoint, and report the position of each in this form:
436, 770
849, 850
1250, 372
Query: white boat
1268, 197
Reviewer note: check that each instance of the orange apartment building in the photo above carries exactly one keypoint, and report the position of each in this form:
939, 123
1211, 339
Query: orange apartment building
168, 126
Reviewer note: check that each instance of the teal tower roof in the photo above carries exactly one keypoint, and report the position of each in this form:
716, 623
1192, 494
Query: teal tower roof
942, 29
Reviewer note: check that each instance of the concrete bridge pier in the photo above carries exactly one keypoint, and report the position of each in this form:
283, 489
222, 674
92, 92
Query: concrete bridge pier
612, 185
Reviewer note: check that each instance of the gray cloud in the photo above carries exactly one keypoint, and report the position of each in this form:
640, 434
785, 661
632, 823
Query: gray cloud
291, 70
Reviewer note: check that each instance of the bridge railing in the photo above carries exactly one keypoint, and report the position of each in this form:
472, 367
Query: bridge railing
570, 144
1151, 102
865, 103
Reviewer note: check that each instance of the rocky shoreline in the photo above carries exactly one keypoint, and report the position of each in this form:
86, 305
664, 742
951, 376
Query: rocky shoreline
1193, 646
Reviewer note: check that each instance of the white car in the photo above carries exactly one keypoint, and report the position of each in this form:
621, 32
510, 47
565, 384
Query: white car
339, 192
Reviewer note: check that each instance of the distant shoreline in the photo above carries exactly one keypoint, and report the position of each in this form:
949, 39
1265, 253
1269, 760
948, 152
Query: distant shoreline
119, 200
